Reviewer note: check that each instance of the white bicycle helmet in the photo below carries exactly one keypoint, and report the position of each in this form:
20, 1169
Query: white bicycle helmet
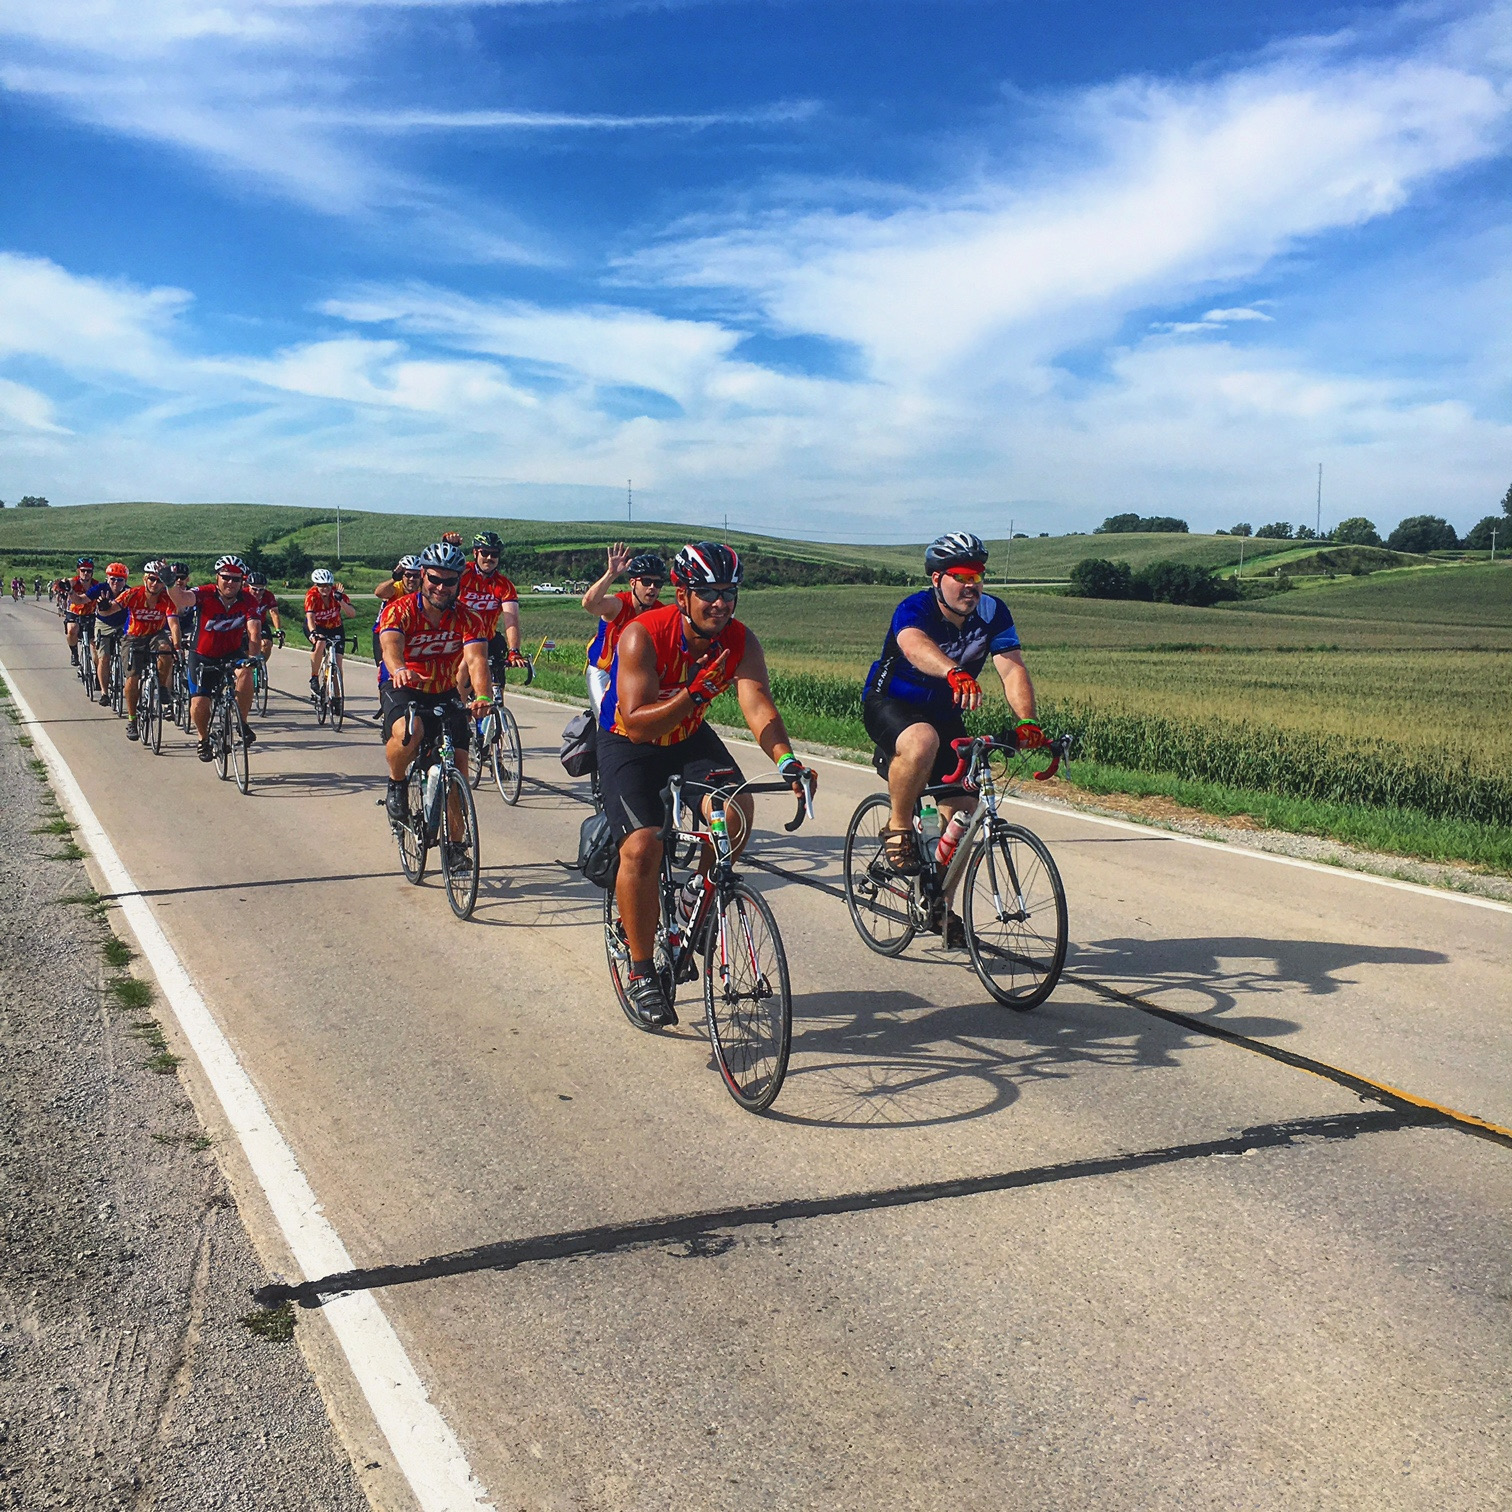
322, 577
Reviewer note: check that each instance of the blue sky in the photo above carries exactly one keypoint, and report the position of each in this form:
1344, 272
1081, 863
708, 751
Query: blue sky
851, 269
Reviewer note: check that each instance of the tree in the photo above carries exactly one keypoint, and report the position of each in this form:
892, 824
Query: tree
1180, 583
32, 501
1280, 531
1164, 525
1507, 502
1355, 531
1127, 524
1479, 537
1093, 577
1307, 533
1242, 529
1123, 524
296, 561
1423, 533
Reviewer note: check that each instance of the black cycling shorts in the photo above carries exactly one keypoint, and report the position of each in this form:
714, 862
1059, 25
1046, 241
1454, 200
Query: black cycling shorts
631, 777
142, 649
336, 637
886, 718
498, 656
392, 702
206, 672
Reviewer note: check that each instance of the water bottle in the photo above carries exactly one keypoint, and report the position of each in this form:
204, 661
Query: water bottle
960, 822
432, 793
929, 825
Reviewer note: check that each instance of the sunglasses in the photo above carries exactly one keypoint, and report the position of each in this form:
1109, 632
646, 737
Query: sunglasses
657, 583
441, 582
229, 577
716, 595
492, 556
149, 577
964, 576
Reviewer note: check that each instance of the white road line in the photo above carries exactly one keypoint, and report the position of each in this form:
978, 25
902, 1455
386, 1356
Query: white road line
1442, 894
425, 1448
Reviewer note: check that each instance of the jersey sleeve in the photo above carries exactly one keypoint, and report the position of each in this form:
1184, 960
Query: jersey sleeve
471, 627
311, 599
1005, 636
392, 617
914, 613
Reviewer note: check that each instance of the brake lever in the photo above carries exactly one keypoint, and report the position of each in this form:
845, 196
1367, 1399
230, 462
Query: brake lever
805, 807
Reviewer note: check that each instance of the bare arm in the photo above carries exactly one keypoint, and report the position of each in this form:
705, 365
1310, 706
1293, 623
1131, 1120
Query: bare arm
600, 596
348, 611
475, 660
391, 643
182, 597
1017, 687
644, 712
385, 592
753, 691
509, 617
923, 653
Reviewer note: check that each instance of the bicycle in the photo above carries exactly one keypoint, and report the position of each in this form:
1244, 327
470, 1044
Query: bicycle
227, 731
150, 710
179, 696
732, 935
260, 683
1014, 905
496, 744
115, 672
329, 696
87, 674
432, 781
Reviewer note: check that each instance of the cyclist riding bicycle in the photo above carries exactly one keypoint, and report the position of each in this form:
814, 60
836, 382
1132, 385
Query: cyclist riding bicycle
426, 637
406, 579
325, 607
152, 634
267, 608
647, 573
78, 617
937, 644
178, 576
110, 621
226, 628
486, 592
671, 662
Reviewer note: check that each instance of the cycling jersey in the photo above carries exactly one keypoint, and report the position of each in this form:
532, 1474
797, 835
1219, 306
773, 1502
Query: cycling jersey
674, 668
266, 602
110, 614
432, 652
221, 628
602, 647
89, 592
987, 631
486, 596
149, 615
325, 613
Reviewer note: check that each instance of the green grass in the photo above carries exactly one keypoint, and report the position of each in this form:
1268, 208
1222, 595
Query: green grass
130, 992
274, 1325
117, 952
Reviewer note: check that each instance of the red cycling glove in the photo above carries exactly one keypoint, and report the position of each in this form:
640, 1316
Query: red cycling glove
1030, 736
516, 659
710, 682
964, 686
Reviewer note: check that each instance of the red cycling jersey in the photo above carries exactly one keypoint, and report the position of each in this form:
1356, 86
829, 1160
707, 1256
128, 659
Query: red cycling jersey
222, 626
602, 647
149, 614
432, 652
325, 613
486, 596
674, 668
264, 599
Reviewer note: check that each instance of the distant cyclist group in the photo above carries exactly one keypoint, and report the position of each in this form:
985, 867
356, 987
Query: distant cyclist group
673, 809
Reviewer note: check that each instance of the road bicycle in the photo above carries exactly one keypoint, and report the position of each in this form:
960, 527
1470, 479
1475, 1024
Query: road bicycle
330, 694
1013, 907
260, 683
432, 783
115, 676
731, 937
179, 695
496, 745
150, 708
87, 674
227, 730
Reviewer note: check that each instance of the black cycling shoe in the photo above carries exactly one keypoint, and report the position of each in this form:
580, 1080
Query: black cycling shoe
131, 729
105, 700
455, 858
205, 753
649, 1003
73, 656
397, 803
250, 733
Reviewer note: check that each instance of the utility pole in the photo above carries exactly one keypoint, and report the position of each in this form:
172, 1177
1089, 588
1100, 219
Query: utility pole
1494, 529
1318, 527
1240, 573
338, 535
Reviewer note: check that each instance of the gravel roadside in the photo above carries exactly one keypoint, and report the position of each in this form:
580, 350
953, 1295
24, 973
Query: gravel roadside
135, 1371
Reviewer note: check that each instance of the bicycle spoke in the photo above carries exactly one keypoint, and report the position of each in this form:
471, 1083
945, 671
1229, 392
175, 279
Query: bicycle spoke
879, 900
747, 997
1014, 912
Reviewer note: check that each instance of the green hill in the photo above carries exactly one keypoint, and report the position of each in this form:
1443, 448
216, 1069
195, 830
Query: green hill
1474, 594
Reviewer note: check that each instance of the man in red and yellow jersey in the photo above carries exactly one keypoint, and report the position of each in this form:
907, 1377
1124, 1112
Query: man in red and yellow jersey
152, 633
325, 607
647, 573
671, 663
486, 592
426, 637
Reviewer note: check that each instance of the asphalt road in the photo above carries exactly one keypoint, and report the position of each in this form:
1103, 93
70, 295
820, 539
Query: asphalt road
1131, 1306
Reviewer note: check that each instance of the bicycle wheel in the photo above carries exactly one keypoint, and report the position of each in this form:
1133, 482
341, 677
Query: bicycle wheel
1015, 917
150, 712
460, 871
411, 834
322, 696
117, 686
241, 755
220, 738
879, 900
618, 954
338, 698
748, 999
506, 757
87, 669
478, 756
261, 673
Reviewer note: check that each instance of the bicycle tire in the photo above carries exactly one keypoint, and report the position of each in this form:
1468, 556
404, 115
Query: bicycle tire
220, 739
262, 689
87, 669
413, 845
748, 997
322, 697
338, 697
117, 686
461, 887
152, 704
241, 758
477, 758
618, 955
508, 754
1018, 965
875, 894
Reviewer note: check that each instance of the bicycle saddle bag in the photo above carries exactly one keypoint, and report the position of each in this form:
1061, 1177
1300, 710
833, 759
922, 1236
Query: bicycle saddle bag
598, 853
579, 747
882, 762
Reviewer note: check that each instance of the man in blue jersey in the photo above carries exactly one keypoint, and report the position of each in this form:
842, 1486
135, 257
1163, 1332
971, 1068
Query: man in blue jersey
926, 678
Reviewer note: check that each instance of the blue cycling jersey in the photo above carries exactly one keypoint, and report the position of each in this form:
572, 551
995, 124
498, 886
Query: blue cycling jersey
986, 631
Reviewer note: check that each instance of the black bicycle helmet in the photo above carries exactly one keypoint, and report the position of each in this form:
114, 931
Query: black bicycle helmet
706, 564
647, 565
257, 579
957, 548
180, 571
444, 557
85, 562
487, 539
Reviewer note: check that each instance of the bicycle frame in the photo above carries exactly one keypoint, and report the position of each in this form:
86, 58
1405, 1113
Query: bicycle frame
436, 750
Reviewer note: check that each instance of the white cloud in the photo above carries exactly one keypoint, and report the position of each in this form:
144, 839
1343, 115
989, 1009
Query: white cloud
23, 408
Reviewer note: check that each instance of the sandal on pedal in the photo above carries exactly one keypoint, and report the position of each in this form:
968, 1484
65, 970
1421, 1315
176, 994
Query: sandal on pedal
954, 931
901, 847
